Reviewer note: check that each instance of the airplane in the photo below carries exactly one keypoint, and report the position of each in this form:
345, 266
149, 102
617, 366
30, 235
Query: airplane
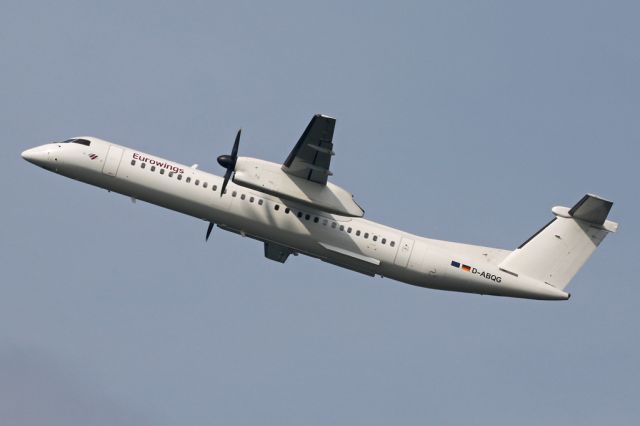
292, 208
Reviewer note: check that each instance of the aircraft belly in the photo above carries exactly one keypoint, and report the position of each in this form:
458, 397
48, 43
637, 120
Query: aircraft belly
426, 265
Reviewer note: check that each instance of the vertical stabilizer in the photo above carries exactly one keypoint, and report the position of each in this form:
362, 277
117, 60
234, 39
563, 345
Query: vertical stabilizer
555, 253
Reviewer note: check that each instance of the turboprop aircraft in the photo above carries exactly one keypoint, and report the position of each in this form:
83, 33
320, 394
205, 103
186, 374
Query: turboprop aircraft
292, 208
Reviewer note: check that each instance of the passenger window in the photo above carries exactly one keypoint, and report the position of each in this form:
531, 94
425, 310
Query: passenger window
153, 168
299, 214
384, 241
234, 193
366, 235
161, 171
179, 177
242, 197
142, 165
375, 238
348, 230
287, 210
358, 232
188, 179
133, 162
333, 225
392, 243
342, 227
307, 216
197, 182
251, 200
324, 222
277, 207
260, 202
205, 184
170, 174
214, 187
316, 219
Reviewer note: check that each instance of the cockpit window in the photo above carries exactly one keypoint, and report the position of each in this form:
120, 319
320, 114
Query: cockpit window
80, 141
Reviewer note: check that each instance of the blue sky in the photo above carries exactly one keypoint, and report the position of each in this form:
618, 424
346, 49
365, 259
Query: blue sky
464, 121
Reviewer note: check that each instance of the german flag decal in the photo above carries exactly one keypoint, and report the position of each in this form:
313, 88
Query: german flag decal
475, 271
465, 268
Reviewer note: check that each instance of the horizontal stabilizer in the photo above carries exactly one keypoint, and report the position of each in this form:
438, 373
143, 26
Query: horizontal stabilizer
592, 209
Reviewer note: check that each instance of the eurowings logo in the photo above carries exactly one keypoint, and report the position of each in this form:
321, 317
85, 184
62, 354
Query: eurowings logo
93, 156
154, 162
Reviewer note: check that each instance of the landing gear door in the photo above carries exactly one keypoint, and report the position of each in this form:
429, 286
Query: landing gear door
112, 162
404, 252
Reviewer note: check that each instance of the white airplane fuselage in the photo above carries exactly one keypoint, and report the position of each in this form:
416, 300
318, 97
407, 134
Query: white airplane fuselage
351, 242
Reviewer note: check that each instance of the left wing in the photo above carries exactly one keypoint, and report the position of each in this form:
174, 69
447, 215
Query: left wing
311, 157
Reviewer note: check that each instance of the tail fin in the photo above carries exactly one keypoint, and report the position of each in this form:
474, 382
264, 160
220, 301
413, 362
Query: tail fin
556, 252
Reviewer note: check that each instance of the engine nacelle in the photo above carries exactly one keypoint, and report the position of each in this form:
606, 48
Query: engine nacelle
269, 177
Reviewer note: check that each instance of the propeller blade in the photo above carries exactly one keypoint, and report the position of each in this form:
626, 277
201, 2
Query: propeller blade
209, 229
234, 151
227, 175
229, 162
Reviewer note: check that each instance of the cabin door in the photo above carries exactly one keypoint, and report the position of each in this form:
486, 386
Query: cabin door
404, 251
112, 162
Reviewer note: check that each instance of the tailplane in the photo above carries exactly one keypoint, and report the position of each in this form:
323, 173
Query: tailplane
557, 251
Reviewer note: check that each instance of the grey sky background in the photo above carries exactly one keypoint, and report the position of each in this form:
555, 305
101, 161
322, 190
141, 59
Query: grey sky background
464, 121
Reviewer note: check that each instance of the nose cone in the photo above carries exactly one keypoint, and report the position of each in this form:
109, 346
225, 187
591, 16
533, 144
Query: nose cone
47, 156
35, 155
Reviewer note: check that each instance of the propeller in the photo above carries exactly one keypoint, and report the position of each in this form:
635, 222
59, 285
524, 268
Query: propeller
209, 229
229, 162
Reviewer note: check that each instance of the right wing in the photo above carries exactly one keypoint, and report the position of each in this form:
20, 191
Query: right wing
311, 157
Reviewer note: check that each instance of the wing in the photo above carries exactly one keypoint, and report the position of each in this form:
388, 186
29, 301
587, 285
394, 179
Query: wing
311, 157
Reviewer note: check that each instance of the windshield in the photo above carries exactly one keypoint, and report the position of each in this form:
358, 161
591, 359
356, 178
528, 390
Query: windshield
80, 141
